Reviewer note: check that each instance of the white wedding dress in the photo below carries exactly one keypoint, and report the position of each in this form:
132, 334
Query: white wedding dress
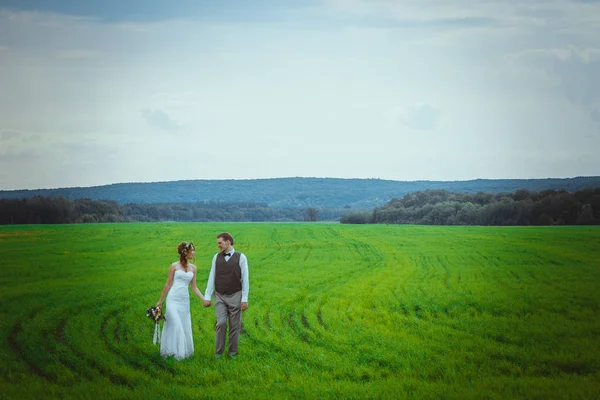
176, 338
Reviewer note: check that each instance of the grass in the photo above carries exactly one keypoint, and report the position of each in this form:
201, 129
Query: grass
336, 311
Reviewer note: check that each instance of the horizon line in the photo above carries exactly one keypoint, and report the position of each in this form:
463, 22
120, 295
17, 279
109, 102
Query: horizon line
297, 177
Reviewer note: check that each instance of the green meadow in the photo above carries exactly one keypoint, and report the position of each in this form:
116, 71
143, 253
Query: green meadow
335, 311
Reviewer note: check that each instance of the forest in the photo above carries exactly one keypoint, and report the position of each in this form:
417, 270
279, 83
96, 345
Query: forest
364, 194
522, 207
63, 210
429, 207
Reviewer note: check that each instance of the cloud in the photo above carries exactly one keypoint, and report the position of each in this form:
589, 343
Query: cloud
13, 142
595, 115
420, 116
76, 54
544, 56
570, 71
159, 119
35, 160
484, 26
112, 11
6, 134
443, 13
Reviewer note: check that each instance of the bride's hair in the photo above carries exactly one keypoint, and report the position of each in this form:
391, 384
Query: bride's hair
182, 249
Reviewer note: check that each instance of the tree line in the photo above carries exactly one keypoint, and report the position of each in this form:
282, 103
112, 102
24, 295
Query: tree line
63, 210
297, 192
429, 207
522, 207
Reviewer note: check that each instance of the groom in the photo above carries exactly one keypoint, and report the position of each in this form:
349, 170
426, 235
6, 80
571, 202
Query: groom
230, 283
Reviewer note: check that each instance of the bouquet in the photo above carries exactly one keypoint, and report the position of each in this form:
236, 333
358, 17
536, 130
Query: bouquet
155, 314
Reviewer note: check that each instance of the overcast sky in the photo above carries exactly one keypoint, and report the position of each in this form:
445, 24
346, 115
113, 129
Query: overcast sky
100, 92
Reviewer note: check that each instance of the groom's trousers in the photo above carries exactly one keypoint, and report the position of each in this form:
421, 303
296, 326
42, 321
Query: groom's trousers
228, 307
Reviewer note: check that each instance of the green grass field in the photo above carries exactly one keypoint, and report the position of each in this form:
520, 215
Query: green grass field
336, 311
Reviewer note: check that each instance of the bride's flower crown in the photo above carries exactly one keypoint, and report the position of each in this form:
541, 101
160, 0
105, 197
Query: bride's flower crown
187, 248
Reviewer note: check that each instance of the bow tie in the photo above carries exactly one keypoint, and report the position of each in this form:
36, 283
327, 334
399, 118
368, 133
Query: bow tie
227, 254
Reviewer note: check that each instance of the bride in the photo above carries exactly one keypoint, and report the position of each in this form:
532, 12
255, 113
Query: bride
176, 339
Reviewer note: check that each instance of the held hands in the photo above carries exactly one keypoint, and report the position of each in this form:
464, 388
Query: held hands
244, 305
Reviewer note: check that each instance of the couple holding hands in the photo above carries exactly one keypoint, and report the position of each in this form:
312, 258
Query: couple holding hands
229, 282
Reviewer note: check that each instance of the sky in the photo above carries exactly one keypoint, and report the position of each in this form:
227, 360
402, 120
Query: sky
101, 92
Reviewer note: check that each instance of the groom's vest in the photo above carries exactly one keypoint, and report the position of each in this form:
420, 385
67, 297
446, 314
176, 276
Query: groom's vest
228, 274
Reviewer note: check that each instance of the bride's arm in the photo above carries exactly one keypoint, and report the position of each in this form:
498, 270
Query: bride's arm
195, 287
167, 285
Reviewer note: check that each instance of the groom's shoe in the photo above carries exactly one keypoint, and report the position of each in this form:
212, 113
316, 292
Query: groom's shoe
234, 355
217, 356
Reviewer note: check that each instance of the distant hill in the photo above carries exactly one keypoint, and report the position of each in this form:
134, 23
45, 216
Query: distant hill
295, 192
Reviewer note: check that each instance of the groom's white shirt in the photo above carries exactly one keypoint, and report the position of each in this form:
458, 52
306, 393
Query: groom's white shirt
210, 286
